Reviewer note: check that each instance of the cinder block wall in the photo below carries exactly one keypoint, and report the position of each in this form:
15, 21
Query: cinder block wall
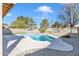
6, 31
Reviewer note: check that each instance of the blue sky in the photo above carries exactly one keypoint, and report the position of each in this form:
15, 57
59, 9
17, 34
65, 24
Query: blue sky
37, 11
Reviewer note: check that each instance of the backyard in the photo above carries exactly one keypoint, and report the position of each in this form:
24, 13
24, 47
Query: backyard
45, 29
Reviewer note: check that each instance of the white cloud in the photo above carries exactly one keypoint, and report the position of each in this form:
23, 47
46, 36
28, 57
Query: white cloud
9, 14
44, 9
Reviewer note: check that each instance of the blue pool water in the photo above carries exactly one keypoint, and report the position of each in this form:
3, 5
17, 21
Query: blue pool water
41, 37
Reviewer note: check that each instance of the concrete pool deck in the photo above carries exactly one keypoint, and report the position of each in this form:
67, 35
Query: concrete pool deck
53, 52
17, 45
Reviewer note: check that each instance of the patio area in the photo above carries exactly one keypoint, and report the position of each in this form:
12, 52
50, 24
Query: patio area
52, 52
20, 46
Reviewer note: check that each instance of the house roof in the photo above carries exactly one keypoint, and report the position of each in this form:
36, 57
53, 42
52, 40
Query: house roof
6, 7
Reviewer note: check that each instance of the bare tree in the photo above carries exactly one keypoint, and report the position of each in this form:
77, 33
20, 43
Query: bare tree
70, 14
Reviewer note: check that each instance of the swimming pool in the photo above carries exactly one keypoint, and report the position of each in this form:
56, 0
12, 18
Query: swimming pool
40, 37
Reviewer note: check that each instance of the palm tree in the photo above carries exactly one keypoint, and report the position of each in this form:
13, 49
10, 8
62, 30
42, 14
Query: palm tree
44, 24
31, 24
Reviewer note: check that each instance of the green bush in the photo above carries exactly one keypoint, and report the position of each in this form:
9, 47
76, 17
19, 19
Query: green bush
42, 30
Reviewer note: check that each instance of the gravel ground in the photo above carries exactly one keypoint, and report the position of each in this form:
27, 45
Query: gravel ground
51, 52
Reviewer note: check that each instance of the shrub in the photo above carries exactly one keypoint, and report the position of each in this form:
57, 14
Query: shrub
42, 30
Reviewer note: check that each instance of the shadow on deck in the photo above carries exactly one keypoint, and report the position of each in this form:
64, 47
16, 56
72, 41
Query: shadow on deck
7, 50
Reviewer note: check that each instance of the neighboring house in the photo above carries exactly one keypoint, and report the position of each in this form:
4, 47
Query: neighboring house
49, 30
77, 27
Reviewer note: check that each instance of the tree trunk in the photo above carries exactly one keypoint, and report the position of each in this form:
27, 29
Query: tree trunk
71, 31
